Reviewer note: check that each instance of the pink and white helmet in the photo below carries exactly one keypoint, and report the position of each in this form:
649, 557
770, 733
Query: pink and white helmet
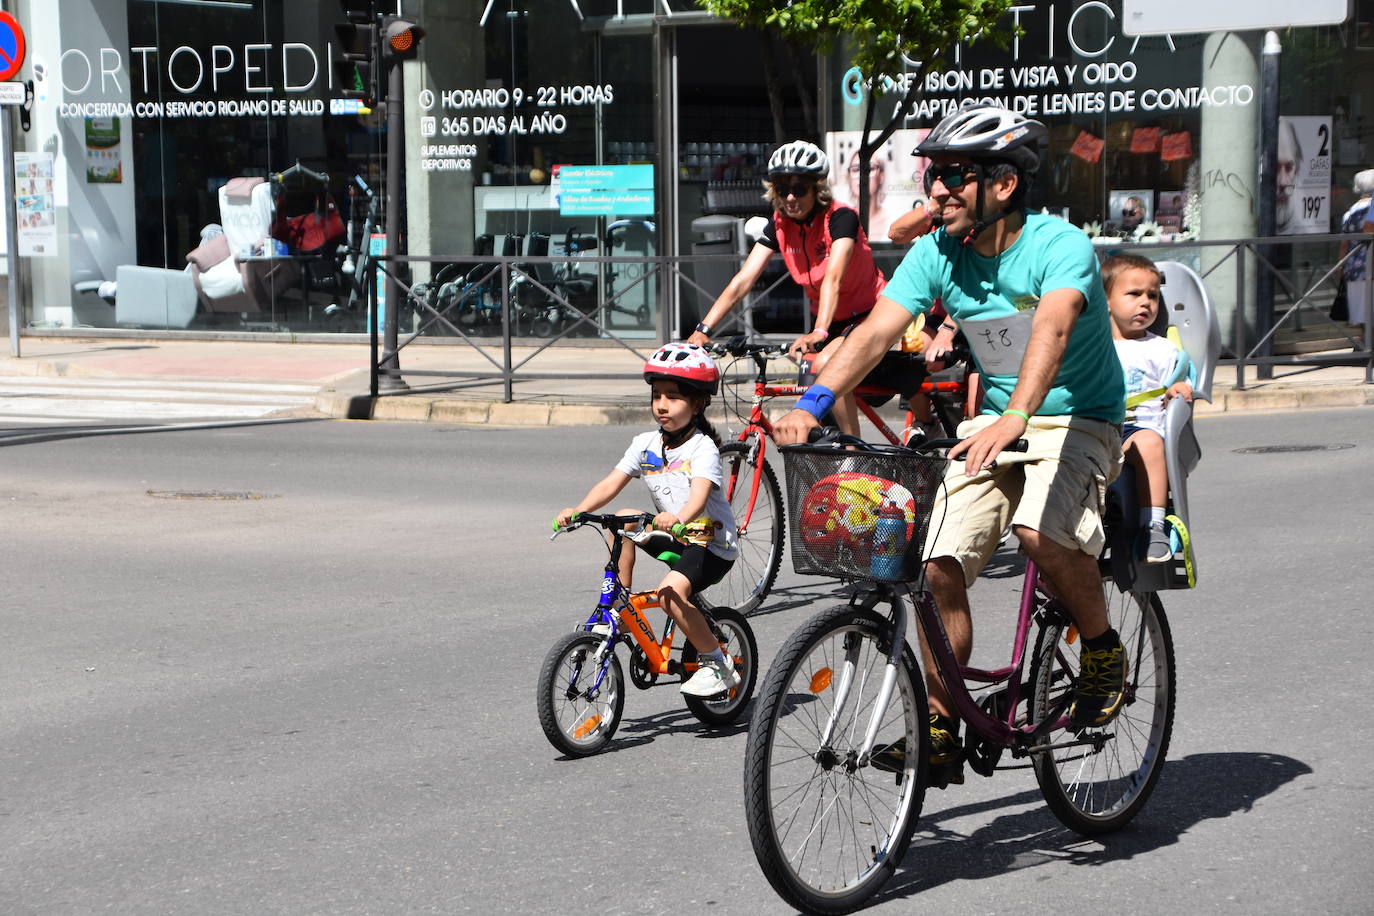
686, 364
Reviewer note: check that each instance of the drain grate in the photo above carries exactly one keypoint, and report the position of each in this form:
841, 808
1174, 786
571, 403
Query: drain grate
227, 495
1281, 449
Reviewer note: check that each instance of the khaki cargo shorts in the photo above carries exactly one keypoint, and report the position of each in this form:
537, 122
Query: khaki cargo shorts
1057, 488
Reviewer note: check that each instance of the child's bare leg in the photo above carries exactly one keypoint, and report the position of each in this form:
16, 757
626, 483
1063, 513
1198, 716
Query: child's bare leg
1145, 452
674, 593
627, 553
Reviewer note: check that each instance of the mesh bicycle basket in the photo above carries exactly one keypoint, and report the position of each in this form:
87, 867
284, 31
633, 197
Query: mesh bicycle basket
860, 514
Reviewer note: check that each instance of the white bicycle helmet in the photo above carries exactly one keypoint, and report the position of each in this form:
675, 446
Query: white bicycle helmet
988, 133
799, 157
686, 364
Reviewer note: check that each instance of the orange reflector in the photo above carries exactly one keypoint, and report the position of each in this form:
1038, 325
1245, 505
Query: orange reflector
403, 41
1071, 635
586, 728
820, 681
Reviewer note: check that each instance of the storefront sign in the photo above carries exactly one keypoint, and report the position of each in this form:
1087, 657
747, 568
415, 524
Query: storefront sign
1103, 78
605, 190
36, 205
1303, 179
498, 111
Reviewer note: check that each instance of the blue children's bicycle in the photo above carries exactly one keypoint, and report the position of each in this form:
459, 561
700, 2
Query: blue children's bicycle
582, 684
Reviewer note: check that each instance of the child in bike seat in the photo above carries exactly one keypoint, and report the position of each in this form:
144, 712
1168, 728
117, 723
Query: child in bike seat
680, 463
1156, 372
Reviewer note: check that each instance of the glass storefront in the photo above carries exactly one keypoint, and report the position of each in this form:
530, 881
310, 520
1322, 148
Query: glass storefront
194, 166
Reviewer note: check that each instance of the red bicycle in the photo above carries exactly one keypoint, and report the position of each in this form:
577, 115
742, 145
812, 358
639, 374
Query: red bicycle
751, 484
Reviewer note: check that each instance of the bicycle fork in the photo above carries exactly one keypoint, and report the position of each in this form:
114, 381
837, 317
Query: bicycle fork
890, 673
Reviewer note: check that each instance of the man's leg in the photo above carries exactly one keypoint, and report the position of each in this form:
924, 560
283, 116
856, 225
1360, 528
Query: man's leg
945, 577
1073, 575
1059, 524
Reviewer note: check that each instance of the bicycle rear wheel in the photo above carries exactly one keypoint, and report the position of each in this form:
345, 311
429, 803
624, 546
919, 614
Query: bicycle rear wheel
827, 833
760, 543
737, 639
1097, 788
578, 716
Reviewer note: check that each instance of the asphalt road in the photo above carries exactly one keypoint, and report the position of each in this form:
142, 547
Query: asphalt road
315, 693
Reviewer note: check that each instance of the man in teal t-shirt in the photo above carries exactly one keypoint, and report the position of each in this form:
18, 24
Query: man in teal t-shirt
993, 298
1025, 291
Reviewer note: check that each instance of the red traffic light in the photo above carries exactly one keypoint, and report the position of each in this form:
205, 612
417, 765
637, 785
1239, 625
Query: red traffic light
401, 37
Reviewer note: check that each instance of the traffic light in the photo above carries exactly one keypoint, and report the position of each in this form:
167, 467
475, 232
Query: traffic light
400, 38
355, 65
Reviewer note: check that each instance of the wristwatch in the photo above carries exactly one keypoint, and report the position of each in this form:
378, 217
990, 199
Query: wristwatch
704, 328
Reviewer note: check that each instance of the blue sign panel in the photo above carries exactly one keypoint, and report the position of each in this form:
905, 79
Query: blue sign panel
606, 177
606, 190
623, 202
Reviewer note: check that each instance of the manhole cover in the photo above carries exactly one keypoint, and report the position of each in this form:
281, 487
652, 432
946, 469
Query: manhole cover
210, 494
1280, 449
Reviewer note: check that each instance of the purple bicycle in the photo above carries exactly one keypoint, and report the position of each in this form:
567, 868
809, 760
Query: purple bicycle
828, 826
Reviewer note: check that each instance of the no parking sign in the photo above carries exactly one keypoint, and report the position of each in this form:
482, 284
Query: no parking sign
12, 46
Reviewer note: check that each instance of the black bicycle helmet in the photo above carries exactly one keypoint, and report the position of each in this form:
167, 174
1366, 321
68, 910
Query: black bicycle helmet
989, 136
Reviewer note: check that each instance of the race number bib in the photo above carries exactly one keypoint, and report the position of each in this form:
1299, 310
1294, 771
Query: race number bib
999, 343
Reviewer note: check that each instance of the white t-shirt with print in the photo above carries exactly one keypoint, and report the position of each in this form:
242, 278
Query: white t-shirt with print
1148, 363
669, 479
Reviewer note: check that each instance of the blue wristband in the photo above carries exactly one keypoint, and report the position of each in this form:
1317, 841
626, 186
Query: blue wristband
817, 401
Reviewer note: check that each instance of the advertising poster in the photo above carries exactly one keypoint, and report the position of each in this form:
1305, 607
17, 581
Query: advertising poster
894, 177
1303, 177
35, 204
1128, 209
104, 158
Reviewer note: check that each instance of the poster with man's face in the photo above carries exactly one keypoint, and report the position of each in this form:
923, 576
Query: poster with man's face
1302, 193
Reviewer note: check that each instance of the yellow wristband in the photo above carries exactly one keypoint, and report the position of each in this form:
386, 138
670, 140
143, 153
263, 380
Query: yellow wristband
1013, 412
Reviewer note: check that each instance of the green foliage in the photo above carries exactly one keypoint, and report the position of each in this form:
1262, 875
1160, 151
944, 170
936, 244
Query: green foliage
882, 32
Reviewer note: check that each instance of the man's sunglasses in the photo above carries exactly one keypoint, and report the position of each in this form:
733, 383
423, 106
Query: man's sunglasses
797, 189
953, 177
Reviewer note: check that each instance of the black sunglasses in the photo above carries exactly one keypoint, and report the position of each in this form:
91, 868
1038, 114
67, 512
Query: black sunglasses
953, 177
797, 189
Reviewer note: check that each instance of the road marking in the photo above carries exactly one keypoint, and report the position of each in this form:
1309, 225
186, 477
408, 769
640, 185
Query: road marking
30, 400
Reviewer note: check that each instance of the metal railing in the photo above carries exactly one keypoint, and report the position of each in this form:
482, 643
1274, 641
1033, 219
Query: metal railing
498, 288
1295, 306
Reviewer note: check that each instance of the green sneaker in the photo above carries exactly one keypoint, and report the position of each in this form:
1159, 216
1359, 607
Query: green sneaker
1101, 687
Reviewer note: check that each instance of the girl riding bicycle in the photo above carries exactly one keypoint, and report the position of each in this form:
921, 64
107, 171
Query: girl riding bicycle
826, 251
680, 463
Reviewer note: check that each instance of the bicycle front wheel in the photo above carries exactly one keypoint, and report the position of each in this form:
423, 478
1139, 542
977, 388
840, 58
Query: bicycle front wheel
761, 531
1100, 786
579, 715
826, 832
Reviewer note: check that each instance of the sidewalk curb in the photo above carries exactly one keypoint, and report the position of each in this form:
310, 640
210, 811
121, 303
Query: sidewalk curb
476, 412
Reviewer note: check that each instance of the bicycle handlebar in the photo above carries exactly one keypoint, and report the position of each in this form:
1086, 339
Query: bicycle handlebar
737, 346
831, 435
617, 523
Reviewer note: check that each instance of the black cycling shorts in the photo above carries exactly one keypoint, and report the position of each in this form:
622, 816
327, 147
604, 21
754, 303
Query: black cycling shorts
701, 567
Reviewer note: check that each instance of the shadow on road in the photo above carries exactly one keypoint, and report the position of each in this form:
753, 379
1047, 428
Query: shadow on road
32, 435
1192, 790
647, 729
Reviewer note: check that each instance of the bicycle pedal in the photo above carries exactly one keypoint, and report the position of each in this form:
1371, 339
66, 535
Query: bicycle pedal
943, 775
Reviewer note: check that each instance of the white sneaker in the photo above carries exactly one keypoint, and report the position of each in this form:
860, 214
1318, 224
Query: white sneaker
712, 678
